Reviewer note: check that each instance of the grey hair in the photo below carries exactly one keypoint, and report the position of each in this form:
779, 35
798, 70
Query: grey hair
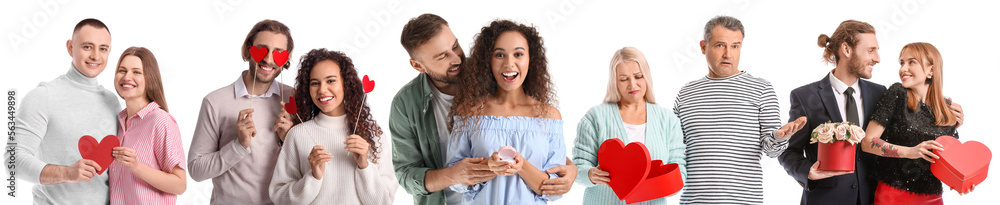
727, 22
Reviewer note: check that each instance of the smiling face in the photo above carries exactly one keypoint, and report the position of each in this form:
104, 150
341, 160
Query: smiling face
631, 82
440, 57
510, 60
913, 70
722, 51
326, 88
267, 70
89, 48
130, 78
864, 56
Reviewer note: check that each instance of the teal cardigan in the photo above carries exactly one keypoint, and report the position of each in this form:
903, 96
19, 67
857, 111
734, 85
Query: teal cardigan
664, 139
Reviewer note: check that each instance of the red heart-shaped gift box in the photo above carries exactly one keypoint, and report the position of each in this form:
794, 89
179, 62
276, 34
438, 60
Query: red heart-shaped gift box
634, 178
962, 165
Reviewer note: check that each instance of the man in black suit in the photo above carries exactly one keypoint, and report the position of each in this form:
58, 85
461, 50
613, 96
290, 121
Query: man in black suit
841, 96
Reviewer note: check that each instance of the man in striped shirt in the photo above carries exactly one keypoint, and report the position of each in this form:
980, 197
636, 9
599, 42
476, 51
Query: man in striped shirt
728, 117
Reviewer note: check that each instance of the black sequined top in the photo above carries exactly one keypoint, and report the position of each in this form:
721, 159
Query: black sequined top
905, 127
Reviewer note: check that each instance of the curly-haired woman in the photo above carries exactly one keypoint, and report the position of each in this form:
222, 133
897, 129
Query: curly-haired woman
312, 167
506, 99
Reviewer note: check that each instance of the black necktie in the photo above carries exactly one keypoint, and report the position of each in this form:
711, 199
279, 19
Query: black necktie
852, 107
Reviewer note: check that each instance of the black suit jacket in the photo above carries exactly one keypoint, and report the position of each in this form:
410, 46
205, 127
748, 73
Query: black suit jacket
816, 101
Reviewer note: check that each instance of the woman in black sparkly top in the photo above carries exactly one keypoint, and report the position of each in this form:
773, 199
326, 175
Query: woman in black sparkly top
904, 124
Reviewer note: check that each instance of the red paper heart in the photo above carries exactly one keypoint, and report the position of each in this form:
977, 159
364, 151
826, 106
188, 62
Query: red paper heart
627, 166
635, 178
369, 84
100, 153
280, 57
290, 106
662, 180
258, 53
962, 165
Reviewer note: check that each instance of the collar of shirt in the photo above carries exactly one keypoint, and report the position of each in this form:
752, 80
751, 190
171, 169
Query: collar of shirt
241, 89
141, 114
840, 86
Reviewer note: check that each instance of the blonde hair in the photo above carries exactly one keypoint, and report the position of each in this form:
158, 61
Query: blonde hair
624, 55
928, 55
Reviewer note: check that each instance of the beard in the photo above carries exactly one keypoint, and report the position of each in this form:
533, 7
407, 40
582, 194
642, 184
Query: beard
857, 68
264, 78
443, 78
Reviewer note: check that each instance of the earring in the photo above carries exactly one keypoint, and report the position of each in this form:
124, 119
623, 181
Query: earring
929, 80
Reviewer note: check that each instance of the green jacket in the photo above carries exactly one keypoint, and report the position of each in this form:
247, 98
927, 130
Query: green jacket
415, 141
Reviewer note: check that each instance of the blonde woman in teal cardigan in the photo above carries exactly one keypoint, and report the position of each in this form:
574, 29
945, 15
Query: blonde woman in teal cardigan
629, 113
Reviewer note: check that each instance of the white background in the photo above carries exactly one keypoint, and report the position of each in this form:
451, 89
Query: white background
197, 45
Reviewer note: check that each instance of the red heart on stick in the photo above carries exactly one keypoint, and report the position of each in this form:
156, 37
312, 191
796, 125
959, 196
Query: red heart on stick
369, 84
257, 53
627, 166
280, 57
99, 152
962, 165
290, 107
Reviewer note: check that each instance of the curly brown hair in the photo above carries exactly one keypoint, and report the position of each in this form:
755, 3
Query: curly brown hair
477, 81
353, 94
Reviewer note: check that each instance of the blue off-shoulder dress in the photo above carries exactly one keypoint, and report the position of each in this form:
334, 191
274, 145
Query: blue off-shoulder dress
539, 140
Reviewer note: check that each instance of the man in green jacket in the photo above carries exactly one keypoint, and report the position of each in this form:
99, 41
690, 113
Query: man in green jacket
419, 120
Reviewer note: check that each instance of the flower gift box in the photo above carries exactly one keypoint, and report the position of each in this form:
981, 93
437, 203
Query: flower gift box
961, 166
837, 145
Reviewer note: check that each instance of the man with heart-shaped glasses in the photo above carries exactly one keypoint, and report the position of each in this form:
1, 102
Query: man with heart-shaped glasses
227, 146
54, 116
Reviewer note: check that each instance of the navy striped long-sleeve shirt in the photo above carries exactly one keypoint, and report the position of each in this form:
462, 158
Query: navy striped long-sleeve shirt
727, 123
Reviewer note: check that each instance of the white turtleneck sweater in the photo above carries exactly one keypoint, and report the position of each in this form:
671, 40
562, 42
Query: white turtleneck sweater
48, 126
342, 182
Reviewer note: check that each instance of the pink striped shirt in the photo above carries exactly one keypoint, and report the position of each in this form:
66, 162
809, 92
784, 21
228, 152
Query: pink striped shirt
156, 139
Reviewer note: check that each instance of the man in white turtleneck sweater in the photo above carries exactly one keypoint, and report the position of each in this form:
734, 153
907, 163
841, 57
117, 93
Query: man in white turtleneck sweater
54, 116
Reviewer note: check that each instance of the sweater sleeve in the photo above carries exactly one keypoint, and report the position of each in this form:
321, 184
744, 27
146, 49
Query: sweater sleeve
585, 148
377, 182
675, 142
30, 126
769, 119
289, 184
207, 158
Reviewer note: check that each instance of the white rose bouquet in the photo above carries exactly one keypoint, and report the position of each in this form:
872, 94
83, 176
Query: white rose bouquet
842, 131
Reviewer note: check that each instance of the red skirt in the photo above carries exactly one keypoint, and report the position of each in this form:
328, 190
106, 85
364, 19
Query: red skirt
885, 194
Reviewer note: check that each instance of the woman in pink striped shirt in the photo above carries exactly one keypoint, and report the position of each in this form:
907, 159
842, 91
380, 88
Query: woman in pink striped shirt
149, 166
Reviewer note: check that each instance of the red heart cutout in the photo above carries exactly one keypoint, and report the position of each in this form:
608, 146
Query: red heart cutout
627, 166
662, 180
100, 153
962, 165
369, 84
290, 107
257, 53
280, 57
